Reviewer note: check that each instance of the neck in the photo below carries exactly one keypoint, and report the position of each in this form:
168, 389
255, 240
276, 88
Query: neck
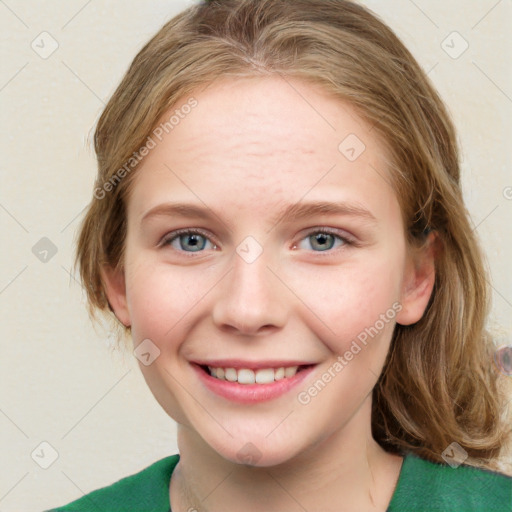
345, 471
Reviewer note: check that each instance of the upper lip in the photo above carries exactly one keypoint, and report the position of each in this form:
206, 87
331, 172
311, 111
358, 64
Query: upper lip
251, 365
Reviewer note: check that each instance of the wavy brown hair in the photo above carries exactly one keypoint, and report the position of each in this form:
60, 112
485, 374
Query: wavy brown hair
438, 384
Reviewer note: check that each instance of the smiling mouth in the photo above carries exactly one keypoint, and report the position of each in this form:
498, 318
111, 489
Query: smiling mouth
248, 376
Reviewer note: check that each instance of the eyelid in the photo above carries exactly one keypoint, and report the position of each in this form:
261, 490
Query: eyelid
347, 238
169, 237
341, 234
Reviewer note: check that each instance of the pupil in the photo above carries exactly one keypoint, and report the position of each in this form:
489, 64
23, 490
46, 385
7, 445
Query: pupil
323, 241
192, 242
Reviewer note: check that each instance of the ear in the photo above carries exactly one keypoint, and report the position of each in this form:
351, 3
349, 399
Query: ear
115, 289
418, 283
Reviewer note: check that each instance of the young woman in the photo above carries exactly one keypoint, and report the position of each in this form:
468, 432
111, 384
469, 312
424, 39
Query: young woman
279, 227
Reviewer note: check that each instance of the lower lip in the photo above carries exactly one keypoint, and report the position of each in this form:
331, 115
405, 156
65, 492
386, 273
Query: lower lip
251, 393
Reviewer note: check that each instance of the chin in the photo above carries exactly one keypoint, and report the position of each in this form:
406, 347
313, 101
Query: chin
257, 452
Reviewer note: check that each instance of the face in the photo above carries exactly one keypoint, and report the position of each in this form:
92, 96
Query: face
266, 267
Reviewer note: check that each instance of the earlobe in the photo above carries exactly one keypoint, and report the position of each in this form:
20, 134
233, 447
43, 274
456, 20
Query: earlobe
115, 289
418, 282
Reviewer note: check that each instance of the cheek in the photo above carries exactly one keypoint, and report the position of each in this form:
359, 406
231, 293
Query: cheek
160, 302
159, 299
352, 302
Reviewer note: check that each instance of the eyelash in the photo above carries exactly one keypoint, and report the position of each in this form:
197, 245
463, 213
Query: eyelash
169, 238
347, 240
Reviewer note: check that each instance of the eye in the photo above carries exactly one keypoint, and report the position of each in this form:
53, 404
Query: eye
323, 240
188, 241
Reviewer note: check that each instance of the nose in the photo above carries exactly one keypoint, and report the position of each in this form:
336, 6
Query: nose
250, 299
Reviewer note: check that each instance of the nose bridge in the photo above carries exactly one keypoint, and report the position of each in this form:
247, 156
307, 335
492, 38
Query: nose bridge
251, 298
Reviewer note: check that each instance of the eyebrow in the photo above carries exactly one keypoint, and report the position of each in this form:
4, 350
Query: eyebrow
300, 211
292, 212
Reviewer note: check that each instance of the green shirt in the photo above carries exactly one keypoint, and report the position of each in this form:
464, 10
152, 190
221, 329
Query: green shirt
422, 486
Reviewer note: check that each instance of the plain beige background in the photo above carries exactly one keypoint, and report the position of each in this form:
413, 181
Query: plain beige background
60, 382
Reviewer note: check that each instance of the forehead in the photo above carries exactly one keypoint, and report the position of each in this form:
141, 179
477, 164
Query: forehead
270, 140
270, 116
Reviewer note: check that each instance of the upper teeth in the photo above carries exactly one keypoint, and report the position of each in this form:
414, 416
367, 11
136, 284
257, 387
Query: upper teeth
247, 376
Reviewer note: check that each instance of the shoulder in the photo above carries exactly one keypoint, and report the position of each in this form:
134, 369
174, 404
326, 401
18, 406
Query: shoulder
430, 486
147, 490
